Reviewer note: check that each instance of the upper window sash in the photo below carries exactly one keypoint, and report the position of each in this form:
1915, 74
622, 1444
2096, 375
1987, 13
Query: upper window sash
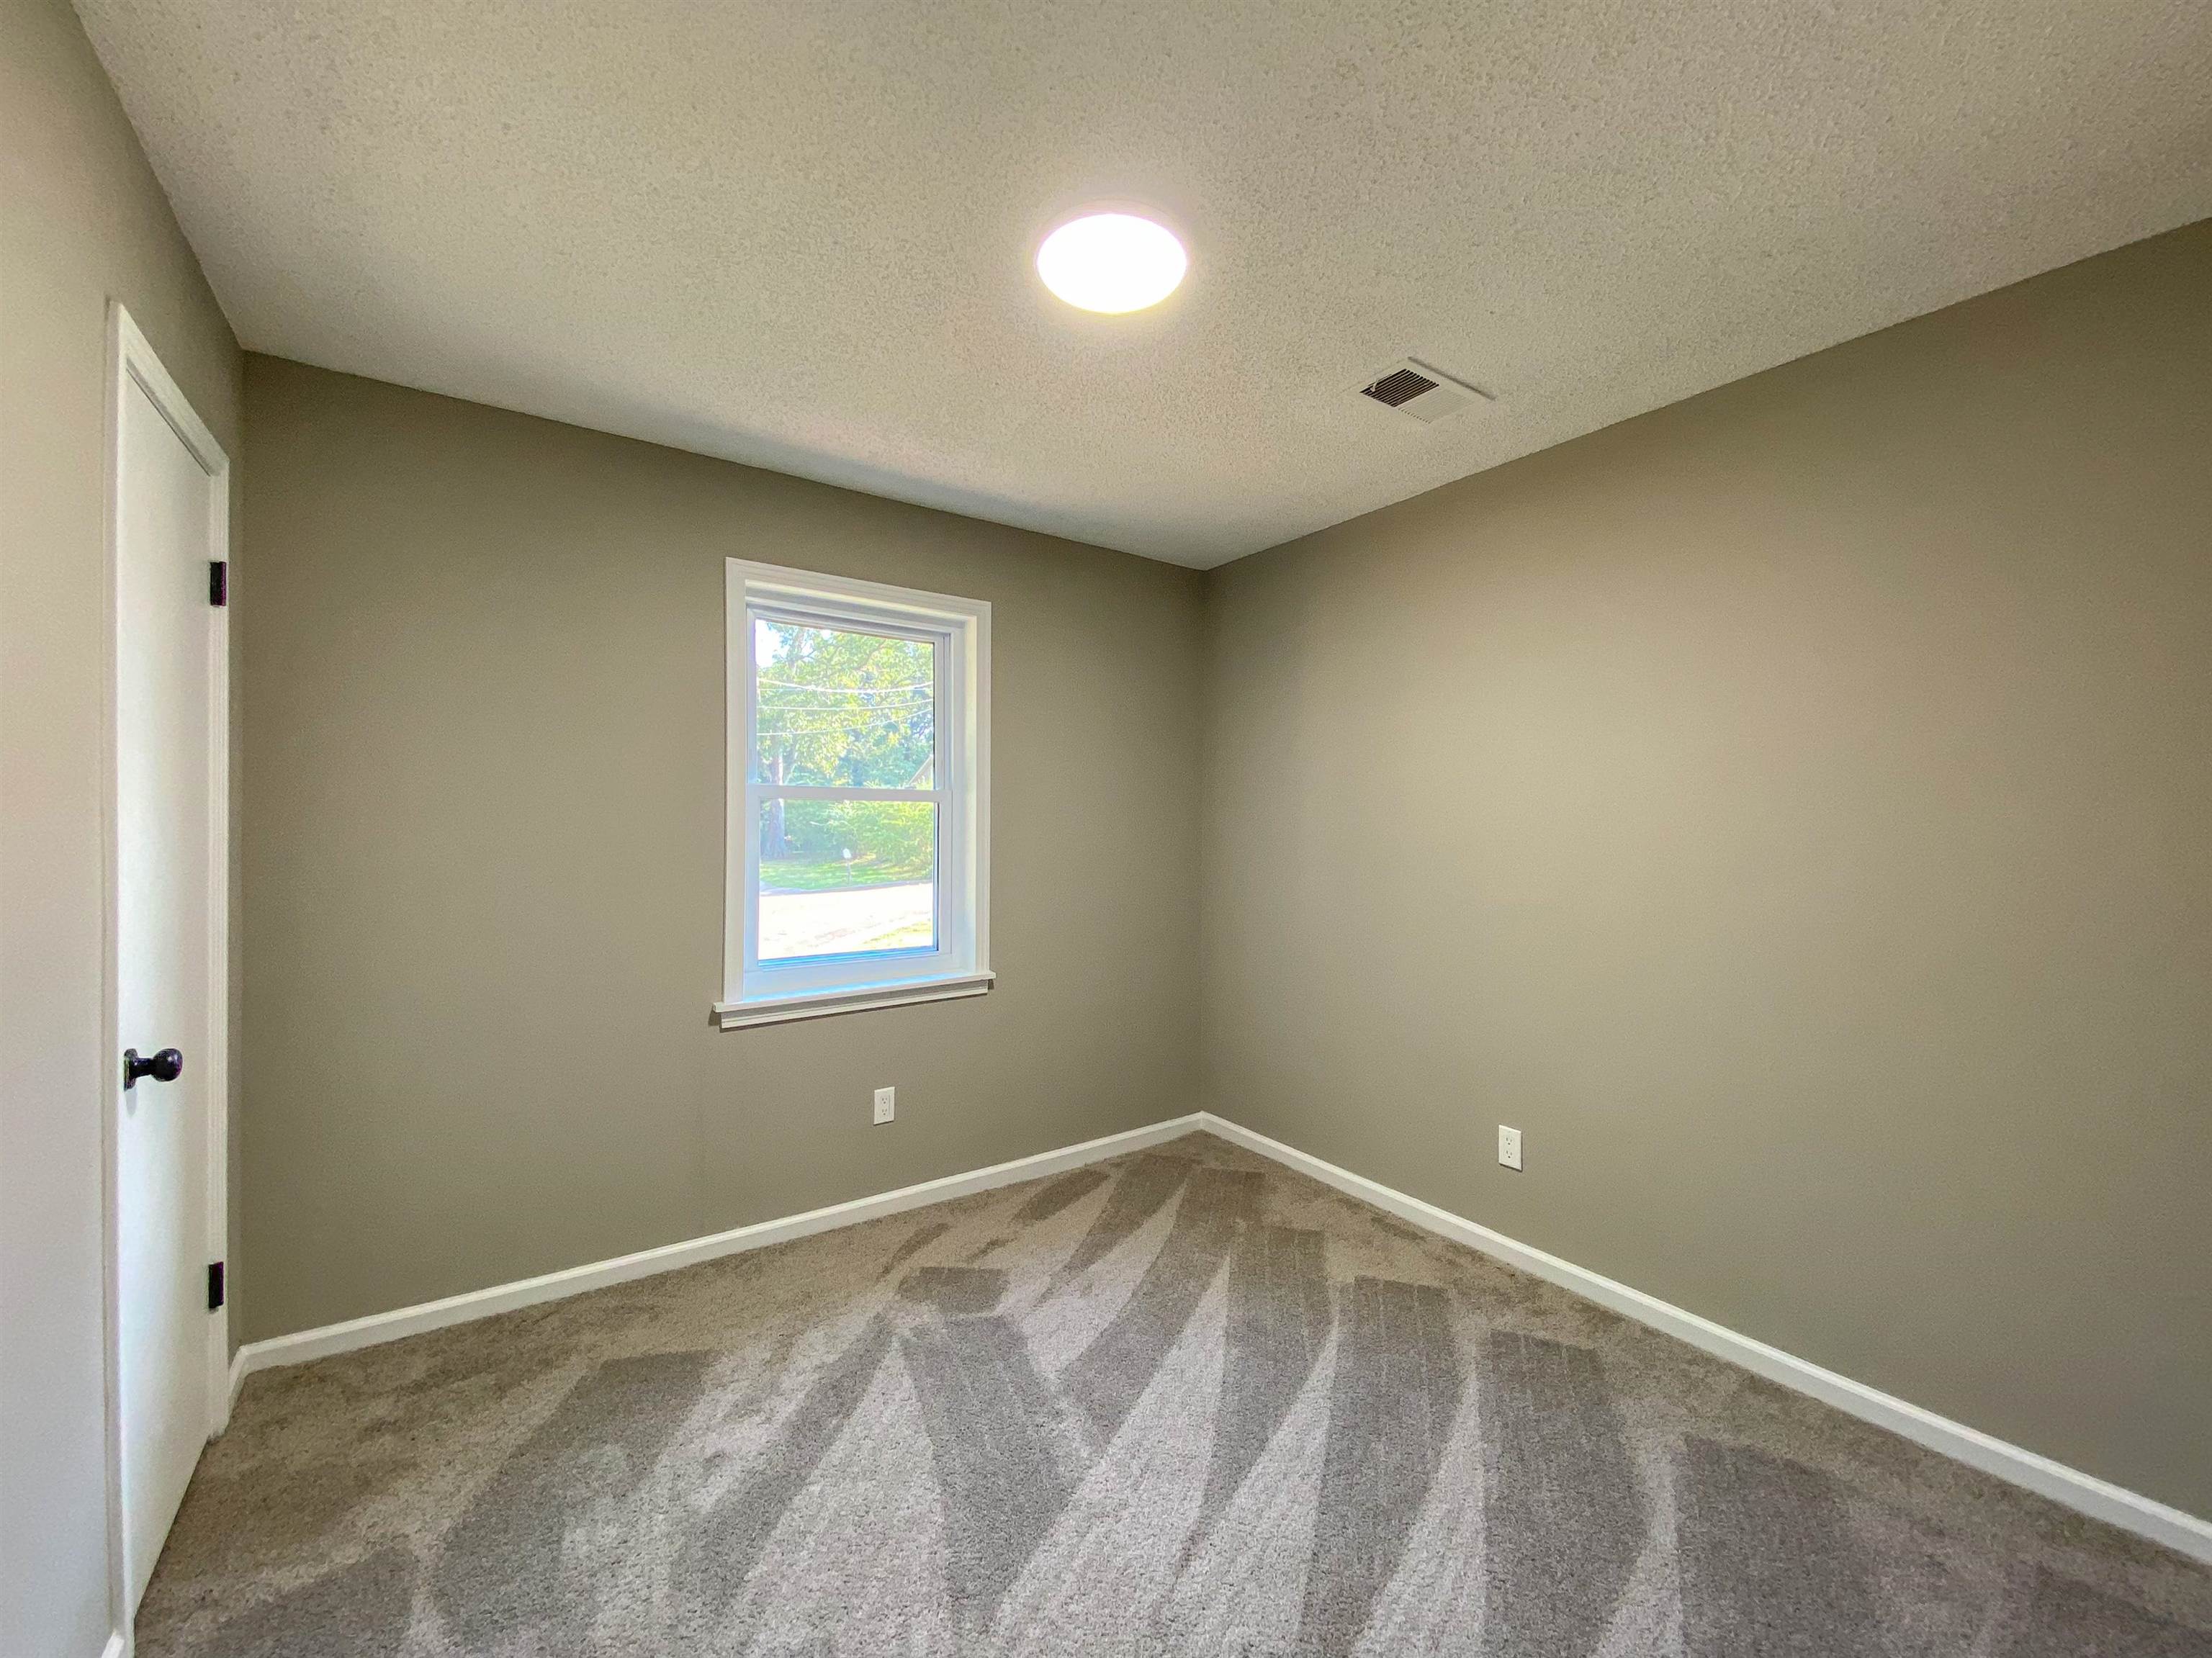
944, 664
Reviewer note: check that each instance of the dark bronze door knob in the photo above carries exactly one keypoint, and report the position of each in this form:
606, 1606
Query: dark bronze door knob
165, 1066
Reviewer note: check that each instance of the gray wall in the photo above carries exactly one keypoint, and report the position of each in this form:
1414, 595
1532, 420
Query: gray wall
82, 219
482, 664
1793, 809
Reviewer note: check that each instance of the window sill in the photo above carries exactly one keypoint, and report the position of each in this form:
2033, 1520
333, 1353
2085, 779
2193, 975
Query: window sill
818, 1004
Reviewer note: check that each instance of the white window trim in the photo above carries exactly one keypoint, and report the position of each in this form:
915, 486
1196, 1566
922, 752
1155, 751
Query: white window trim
959, 965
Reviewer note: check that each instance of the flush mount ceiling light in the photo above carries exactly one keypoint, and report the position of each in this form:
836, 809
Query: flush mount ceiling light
1112, 262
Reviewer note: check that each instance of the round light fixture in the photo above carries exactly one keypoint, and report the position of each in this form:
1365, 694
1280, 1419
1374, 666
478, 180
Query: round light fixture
1112, 262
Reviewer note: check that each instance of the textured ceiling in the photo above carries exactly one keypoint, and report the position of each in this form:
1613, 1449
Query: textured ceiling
798, 234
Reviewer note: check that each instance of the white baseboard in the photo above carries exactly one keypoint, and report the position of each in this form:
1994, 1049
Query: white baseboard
298, 1348
239, 1369
116, 1647
2099, 1499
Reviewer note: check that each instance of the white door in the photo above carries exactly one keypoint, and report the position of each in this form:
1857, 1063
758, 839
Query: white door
170, 702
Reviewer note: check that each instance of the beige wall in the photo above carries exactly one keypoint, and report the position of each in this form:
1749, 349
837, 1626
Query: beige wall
80, 219
1792, 810
483, 666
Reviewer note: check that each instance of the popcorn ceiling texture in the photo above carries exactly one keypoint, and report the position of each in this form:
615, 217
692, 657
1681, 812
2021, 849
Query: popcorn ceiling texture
799, 235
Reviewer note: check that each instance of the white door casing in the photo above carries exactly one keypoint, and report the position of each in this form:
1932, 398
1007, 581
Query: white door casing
168, 969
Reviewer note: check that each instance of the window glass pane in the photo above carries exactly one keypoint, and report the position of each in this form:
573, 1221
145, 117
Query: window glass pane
838, 877
839, 707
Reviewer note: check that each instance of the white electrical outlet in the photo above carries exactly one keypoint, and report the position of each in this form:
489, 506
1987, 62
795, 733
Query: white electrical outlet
1509, 1146
886, 1105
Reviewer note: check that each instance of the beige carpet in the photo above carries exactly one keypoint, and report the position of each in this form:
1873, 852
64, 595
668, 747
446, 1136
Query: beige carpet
1182, 1403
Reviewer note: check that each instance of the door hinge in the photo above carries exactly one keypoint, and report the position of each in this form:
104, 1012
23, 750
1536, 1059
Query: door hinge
218, 581
215, 1285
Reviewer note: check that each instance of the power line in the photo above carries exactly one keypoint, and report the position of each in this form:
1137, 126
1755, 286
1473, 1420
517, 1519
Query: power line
905, 731
848, 690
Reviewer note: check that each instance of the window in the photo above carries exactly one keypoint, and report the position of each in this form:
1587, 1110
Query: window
859, 789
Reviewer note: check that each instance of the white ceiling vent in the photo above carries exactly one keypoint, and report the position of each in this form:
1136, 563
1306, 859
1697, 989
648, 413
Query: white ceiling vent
1414, 388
